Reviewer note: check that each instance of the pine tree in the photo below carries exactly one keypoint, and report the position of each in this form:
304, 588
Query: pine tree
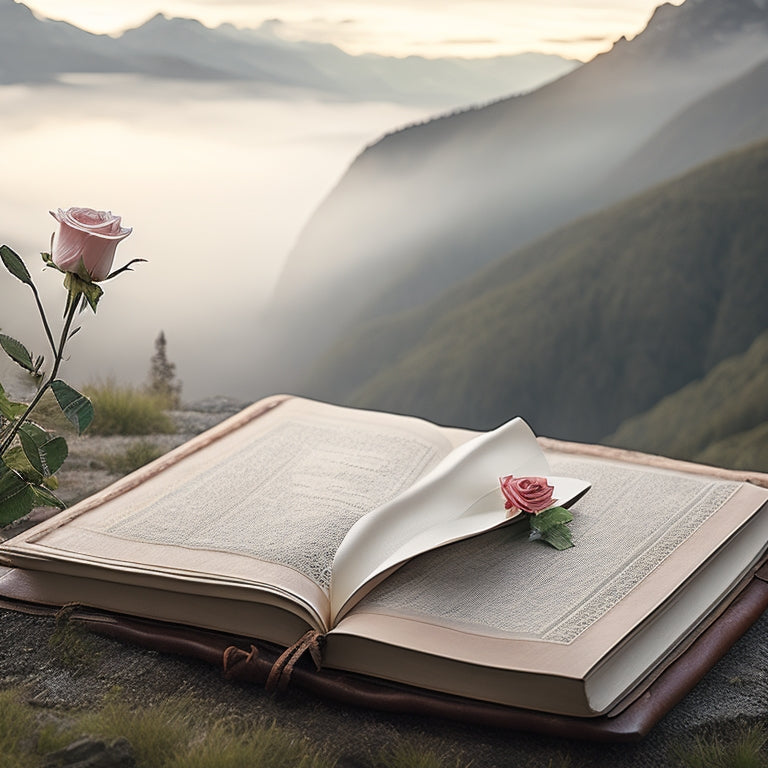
162, 375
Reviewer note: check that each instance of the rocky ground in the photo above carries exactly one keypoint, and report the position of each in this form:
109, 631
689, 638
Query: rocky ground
734, 692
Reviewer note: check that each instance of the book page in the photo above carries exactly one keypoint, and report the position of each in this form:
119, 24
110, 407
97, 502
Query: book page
289, 497
282, 490
460, 498
502, 585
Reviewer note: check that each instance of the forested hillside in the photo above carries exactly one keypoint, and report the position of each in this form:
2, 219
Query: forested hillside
428, 206
586, 327
720, 419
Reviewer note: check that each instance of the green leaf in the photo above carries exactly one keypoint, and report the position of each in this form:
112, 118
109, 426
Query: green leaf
559, 536
8, 408
44, 498
550, 518
35, 431
17, 352
16, 459
76, 407
45, 453
16, 496
54, 452
14, 264
550, 526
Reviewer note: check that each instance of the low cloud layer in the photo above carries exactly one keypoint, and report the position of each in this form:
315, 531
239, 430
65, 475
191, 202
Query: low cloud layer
395, 27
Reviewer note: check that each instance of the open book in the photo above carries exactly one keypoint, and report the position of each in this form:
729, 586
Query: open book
388, 536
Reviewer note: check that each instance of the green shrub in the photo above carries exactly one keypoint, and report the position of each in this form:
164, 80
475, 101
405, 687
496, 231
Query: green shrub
127, 410
134, 456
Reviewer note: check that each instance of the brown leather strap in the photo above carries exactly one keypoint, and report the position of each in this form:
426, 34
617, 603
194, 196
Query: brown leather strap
234, 656
282, 669
632, 724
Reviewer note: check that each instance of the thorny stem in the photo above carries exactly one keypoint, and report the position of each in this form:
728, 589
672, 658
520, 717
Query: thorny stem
44, 319
59, 356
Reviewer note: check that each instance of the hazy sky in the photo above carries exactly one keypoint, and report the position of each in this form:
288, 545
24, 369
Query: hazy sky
576, 28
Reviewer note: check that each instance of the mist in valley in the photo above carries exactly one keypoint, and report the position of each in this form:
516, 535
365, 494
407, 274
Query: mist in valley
429, 206
216, 180
310, 242
435, 202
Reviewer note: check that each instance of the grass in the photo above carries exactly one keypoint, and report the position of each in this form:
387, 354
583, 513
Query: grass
158, 734
17, 728
134, 456
411, 755
234, 745
744, 747
127, 410
119, 410
182, 733
178, 733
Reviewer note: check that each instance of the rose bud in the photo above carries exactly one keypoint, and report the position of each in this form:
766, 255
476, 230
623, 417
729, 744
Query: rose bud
87, 236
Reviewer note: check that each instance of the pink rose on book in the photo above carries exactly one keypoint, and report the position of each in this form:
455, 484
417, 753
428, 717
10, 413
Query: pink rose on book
528, 494
87, 237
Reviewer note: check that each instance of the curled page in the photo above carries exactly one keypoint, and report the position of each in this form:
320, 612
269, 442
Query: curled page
459, 498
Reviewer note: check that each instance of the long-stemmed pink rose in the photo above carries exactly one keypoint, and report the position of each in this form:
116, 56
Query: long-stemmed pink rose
29, 456
87, 239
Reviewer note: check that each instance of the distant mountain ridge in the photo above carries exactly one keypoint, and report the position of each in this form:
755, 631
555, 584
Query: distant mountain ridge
588, 326
427, 206
28, 47
33, 50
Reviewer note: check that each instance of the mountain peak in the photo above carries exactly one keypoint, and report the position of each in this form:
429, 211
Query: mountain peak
697, 25
709, 14
161, 21
10, 9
